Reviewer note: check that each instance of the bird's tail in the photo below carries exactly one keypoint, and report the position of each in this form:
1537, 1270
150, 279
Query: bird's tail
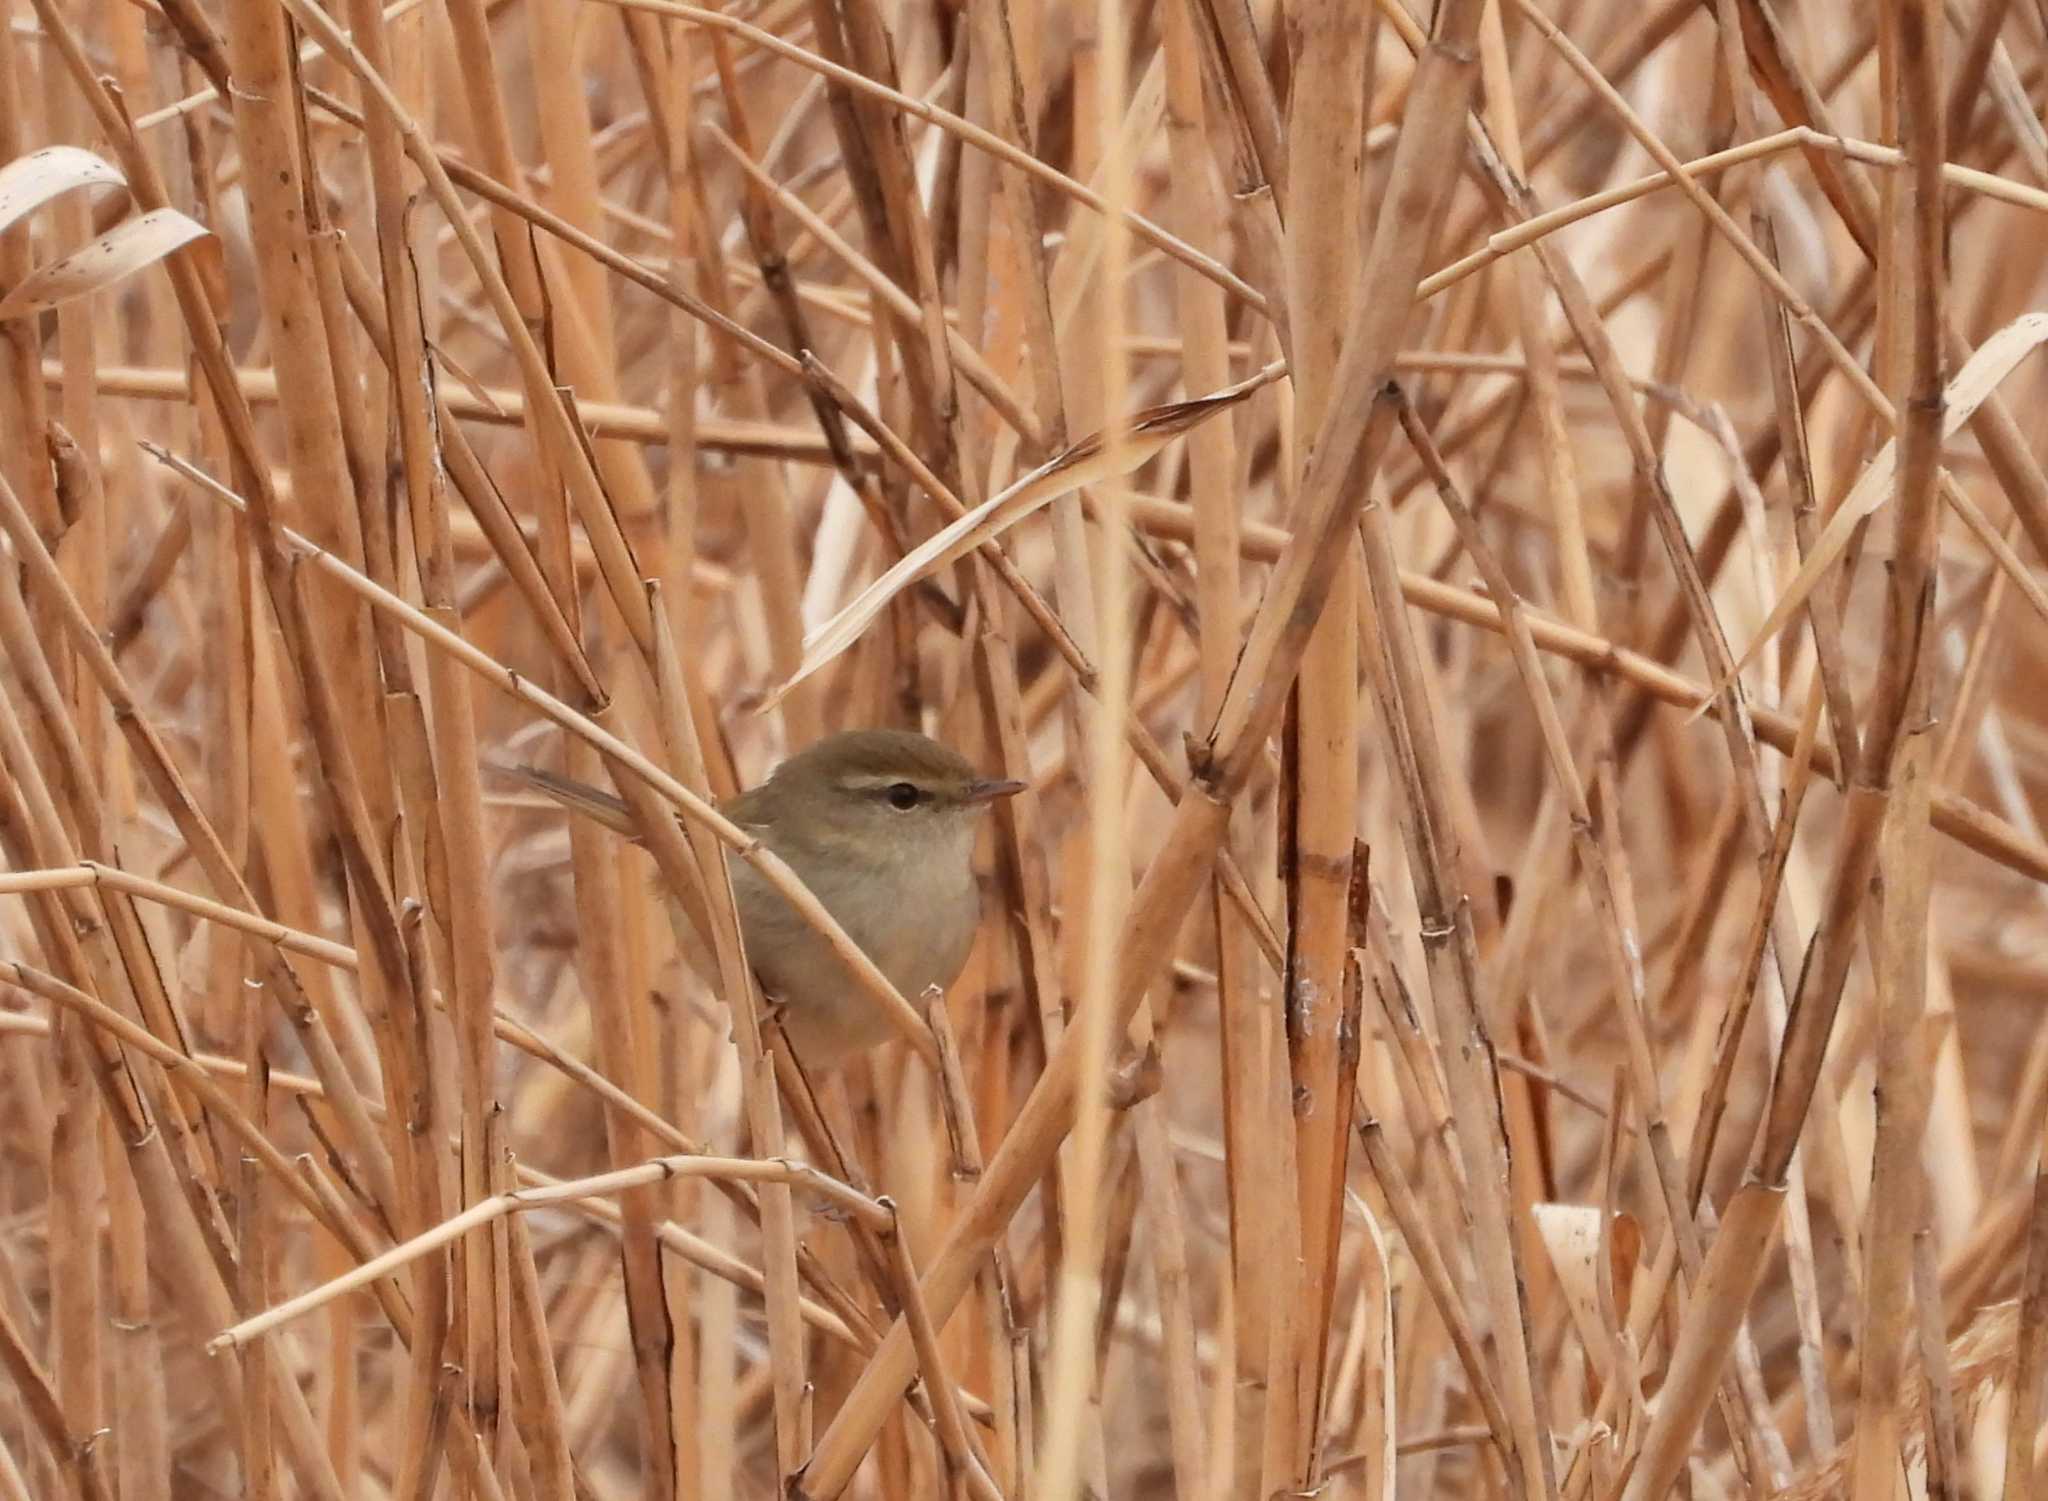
611, 811
578, 797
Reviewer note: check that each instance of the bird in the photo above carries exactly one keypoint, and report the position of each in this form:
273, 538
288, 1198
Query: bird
880, 825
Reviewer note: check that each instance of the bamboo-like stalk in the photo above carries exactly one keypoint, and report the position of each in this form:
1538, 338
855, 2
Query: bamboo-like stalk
1097, 600
1897, 1203
1324, 202
23, 406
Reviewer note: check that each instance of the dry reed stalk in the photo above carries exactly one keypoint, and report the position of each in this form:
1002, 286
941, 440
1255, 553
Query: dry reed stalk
1324, 200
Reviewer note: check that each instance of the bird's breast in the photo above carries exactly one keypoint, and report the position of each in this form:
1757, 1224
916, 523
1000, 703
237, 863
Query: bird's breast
914, 917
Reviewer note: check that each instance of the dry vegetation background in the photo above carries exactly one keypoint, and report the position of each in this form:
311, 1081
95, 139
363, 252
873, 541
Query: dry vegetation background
1408, 1051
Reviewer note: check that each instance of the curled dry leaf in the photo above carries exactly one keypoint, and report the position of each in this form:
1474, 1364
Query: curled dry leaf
1624, 1256
1994, 360
1571, 1237
1087, 462
1380, 1404
123, 250
29, 182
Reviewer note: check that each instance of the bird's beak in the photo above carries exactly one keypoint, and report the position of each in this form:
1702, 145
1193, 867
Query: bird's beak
987, 792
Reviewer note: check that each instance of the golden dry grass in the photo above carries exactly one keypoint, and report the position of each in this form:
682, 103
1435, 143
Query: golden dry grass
1409, 1050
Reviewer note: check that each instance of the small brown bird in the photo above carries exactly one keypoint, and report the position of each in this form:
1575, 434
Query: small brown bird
880, 825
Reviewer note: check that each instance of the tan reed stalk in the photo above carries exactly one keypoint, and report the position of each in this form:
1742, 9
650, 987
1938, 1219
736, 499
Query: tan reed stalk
1826, 631
1562, 491
23, 411
1093, 590
1897, 1205
1324, 201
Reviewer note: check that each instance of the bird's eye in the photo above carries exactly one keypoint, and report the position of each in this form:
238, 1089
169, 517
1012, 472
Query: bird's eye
902, 795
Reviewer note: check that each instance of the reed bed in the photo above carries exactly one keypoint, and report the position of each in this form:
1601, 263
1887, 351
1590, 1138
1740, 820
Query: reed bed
1506, 542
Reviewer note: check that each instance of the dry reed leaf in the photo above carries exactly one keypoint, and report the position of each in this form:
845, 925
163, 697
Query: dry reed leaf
1994, 360
128, 247
1571, 1239
1087, 462
1381, 1403
29, 182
